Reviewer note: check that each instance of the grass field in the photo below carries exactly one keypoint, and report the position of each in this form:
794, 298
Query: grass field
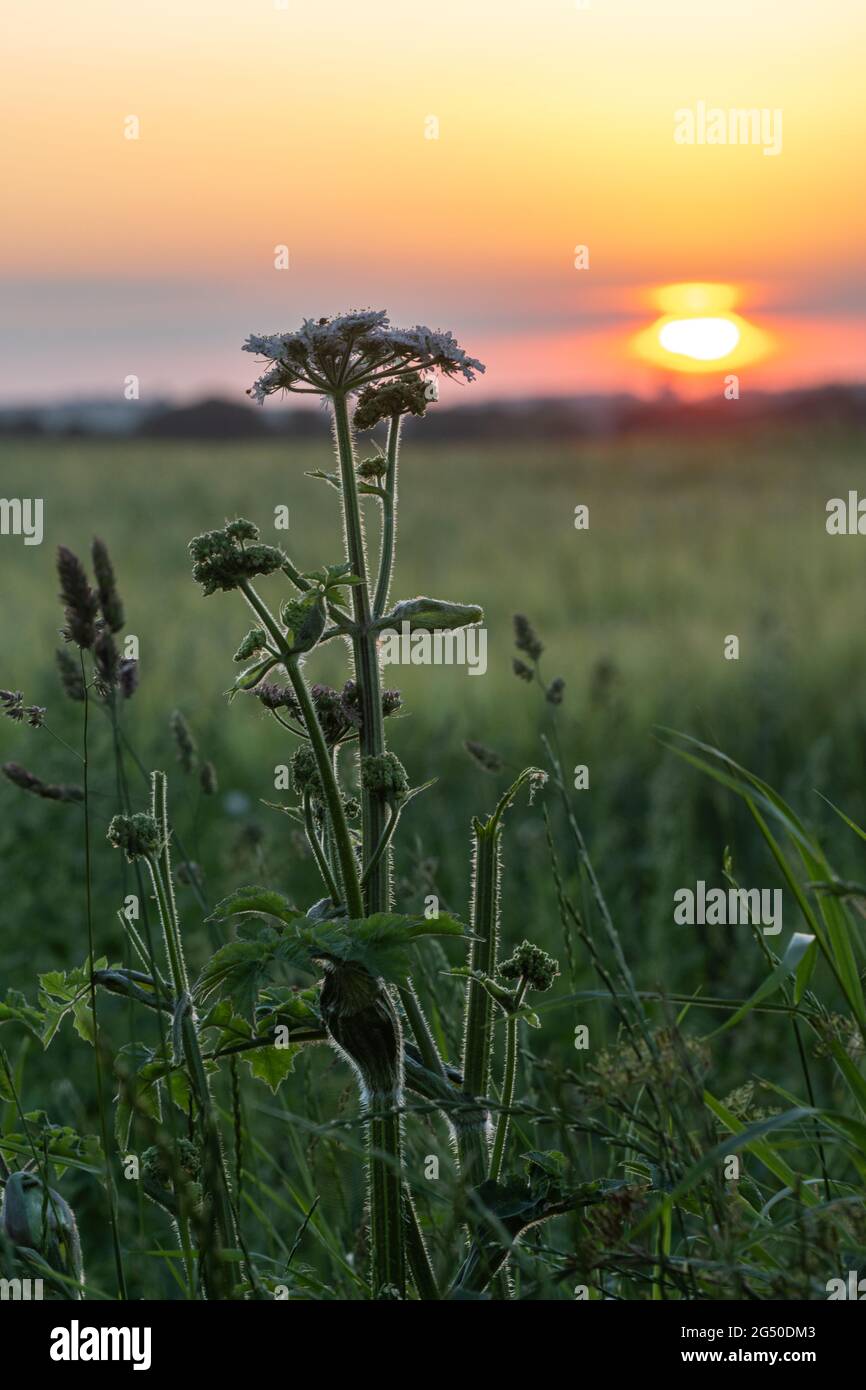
689, 542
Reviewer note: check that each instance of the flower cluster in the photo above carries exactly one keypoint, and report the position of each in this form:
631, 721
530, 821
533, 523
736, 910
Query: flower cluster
405, 396
14, 708
93, 616
526, 639
384, 775
224, 559
338, 711
136, 835
251, 645
486, 758
531, 964
351, 350
80, 603
109, 599
305, 773
184, 741
28, 782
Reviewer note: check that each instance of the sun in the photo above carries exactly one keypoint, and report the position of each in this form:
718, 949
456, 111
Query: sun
698, 330
704, 340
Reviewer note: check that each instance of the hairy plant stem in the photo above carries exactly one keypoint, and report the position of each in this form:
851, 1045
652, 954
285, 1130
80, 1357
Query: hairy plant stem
88, 888
324, 764
372, 732
472, 1130
366, 660
389, 519
384, 1138
318, 852
216, 1271
386, 1198
420, 1264
508, 1079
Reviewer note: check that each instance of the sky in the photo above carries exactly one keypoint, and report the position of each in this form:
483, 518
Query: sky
263, 124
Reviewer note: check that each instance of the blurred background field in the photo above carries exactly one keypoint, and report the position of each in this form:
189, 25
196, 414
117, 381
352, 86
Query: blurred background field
689, 541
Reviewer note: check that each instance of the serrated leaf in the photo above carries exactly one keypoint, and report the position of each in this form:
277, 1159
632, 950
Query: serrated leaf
262, 901
272, 1064
381, 943
16, 1009
60, 992
82, 1015
239, 969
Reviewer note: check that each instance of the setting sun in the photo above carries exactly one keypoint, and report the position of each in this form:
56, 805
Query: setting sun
704, 340
697, 330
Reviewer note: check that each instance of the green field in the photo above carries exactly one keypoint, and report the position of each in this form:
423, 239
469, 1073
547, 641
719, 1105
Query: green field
689, 541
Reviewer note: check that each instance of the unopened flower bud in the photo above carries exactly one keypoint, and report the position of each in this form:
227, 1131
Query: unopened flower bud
136, 835
224, 559
384, 775
251, 644
530, 963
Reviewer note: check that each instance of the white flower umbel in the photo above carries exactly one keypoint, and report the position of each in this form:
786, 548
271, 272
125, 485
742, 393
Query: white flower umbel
345, 353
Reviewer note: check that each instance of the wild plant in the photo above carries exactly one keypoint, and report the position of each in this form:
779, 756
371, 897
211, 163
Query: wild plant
354, 942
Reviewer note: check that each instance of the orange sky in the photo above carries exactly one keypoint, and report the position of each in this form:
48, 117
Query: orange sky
262, 125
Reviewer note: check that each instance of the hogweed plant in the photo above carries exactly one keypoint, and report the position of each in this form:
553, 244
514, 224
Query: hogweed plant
355, 942
367, 373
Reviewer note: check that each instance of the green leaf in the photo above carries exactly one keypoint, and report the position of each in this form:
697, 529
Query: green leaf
82, 1015
272, 1064
263, 901
135, 1092
381, 943
835, 942
239, 969
15, 1009
551, 1161
65, 1147
63, 992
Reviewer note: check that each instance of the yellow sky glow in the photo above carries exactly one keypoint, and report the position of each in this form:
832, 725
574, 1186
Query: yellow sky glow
305, 125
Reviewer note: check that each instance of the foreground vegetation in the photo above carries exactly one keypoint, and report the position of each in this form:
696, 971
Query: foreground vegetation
685, 546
